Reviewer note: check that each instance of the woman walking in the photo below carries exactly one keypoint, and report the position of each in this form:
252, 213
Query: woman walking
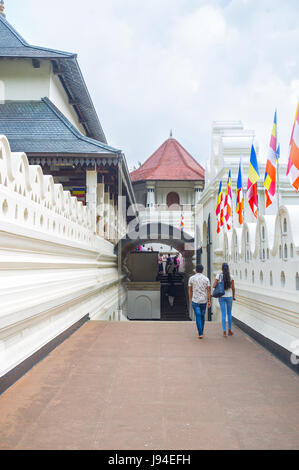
226, 300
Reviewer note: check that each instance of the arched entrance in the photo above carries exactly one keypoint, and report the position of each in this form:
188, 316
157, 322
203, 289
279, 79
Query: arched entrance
157, 233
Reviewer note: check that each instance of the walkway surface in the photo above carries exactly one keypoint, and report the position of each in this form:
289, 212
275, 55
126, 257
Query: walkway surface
153, 385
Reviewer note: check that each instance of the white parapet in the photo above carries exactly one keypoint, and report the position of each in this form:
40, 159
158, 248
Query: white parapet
54, 269
264, 261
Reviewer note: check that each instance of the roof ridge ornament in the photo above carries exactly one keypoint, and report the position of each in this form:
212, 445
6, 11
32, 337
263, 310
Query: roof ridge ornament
2, 8
170, 136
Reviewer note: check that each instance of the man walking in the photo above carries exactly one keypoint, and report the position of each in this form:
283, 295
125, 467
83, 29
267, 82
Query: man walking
200, 296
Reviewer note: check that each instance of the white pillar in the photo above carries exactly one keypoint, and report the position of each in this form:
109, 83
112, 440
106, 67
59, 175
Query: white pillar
150, 199
91, 195
100, 207
107, 214
197, 192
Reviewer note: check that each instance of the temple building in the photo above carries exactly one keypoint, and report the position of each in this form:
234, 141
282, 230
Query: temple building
168, 184
46, 111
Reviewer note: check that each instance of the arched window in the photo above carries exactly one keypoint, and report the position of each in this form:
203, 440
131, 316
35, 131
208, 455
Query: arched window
261, 277
271, 278
172, 199
252, 277
285, 251
285, 226
263, 233
292, 250
246, 273
282, 279
297, 281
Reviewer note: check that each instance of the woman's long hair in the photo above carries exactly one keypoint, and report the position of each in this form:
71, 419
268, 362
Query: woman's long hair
226, 276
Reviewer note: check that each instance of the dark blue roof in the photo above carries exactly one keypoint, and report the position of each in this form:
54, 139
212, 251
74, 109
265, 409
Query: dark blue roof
13, 45
38, 127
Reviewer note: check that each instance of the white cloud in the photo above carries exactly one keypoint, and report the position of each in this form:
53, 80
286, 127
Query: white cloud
180, 64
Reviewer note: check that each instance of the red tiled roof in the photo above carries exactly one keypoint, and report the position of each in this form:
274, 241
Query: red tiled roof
170, 162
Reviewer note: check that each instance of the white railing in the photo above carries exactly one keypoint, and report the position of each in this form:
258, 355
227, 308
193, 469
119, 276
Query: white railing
169, 217
264, 261
54, 269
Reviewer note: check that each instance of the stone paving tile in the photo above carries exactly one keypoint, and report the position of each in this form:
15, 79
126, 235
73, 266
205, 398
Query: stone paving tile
152, 385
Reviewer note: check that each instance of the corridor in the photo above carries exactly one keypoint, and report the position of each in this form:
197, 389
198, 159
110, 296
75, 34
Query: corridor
153, 385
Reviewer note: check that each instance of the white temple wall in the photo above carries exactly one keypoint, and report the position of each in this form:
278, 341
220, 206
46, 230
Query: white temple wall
263, 255
23, 82
267, 281
58, 96
54, 270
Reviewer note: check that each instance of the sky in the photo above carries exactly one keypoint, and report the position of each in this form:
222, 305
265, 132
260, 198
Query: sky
155, 65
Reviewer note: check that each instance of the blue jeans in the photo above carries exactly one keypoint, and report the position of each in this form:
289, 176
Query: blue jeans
226, 304
200, 311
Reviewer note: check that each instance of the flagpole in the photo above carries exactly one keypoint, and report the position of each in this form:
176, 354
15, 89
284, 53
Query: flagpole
244, 195
278, 181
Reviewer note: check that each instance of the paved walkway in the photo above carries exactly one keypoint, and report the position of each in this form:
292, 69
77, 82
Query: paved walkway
152, 385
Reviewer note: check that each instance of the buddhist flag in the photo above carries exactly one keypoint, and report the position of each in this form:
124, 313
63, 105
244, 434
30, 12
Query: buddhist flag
253, 176
240, 202
182, 222
228, 202
271, 165
219, 209
293, 164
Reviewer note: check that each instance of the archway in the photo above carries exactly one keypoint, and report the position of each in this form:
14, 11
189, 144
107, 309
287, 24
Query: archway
158, 233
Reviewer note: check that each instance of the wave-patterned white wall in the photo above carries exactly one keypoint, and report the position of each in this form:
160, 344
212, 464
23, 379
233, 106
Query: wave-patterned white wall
264, 261
54, 270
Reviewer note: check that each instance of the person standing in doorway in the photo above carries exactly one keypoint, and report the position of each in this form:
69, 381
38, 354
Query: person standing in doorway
200, 295
226, 300
160, 263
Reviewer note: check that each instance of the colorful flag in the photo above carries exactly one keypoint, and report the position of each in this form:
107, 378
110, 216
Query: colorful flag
219, 209
293, 164
278, 152
240, 202
253, 176
228, 202
271, 165
182, 222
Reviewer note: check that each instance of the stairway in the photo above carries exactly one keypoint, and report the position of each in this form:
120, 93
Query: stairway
179, 311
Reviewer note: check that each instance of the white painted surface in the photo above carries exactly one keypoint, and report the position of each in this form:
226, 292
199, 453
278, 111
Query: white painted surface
22, 82
54, 269
268, 296
143, 301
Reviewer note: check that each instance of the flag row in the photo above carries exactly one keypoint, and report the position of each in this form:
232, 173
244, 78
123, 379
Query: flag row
224, 205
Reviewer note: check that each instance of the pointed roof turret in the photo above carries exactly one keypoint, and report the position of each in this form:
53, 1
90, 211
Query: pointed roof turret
171, 162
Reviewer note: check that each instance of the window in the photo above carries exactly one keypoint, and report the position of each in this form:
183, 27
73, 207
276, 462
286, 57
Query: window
282, 279
285, 251
252, 277
172, 199
285, 226
261, 277
292, 250
297, 281
271, 278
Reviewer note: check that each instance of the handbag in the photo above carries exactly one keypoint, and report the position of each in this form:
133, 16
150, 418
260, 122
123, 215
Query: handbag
219, 290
